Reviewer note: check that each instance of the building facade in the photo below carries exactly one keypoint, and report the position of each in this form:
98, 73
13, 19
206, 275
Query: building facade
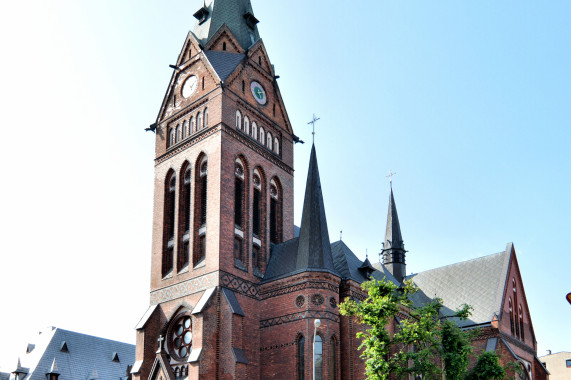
235, 288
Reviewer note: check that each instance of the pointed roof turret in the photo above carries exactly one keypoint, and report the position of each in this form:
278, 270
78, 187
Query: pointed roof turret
393, 237
238, 16
393, 247
311, 251
314, 249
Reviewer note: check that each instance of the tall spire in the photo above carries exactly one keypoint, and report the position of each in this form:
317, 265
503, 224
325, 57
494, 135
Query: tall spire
393, 249
314, 249
238, 15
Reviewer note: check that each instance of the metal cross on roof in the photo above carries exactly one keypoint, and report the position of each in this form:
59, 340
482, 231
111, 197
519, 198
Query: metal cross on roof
161, 341
312, 122
390, 177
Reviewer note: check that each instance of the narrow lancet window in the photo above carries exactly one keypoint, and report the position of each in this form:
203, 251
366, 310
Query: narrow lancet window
238, 120
200, 210
333, 359
275, 212
168, 224
301, 358
184, 218
254, 130
239, 195
318, 358
246, 125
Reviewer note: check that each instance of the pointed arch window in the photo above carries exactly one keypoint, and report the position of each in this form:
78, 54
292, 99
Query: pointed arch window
333, 359
318, 357
254, 130
206, 118
178, 133
168, 223
510, 306
270, 141
185, 132
262, 136
192, 124
276, 145
238, 120
258, 221
246, 125
172, 137
520, 315
239, 189
199, 121
200, 210
184, 208
275, 212
301, 357
515, 321
257, 204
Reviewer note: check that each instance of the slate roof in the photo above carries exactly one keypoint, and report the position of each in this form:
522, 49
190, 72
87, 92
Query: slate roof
393, 236
479, 282
87, 355
231, 13
347, 264
224, 63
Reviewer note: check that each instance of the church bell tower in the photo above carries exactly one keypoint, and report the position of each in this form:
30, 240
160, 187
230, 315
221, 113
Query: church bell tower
223, 196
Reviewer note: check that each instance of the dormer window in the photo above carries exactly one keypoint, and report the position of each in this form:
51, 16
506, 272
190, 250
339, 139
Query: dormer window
251, 20
201, 15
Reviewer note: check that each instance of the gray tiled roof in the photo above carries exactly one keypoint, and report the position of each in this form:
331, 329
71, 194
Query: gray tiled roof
231, 13
86, 354
224, 63
479, 282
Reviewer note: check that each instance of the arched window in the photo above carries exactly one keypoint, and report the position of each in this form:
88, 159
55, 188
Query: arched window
510, 306
270, 141
238, 120
275, 212
318, 357
206, 118
192, 124
184, 205
168, 223
515, 321
224, 46
276, 145
200, 210
301, 358
521, 322
246, 125
172, 137
333, 359
178, 133
254, 130
199, 124
185, 132
262, 136
258, 220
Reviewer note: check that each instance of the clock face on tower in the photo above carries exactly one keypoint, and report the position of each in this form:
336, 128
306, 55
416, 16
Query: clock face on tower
259, 93
189, 86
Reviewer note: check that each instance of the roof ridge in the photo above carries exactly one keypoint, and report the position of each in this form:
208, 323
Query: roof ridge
91, 336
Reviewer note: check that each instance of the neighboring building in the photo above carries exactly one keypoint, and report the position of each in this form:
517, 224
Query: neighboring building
66, 355
558, 365
235, 290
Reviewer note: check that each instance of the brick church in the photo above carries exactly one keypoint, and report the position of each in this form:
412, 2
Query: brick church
236, 288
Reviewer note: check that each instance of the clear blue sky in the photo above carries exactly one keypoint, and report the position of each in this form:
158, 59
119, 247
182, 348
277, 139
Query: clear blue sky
469, 102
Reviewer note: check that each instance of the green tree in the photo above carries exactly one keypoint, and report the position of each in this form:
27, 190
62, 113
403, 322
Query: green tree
487, 368
419, 341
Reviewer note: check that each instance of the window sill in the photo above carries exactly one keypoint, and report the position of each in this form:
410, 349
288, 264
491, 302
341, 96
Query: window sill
240, 265
200, 264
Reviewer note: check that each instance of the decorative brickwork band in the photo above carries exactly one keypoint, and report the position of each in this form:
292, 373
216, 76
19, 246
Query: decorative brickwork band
298, 316
278, 291
239, 285
185, 288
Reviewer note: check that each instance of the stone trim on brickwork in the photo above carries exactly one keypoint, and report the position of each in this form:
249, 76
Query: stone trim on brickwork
311, 314
198, 137
185, 288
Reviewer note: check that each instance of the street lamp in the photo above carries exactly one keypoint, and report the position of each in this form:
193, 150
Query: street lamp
317, 323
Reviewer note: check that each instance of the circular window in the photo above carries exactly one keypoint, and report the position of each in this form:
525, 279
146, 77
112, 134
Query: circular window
181, 337
317, 299
299, 301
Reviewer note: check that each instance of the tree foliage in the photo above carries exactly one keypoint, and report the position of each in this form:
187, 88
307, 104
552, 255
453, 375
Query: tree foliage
420, 339
487, 368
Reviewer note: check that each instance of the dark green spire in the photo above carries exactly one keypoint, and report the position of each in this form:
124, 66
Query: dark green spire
238, 16
393, 249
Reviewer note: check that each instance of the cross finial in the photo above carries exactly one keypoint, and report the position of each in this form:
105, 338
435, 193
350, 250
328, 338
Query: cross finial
390, 177
161, 341
312, 122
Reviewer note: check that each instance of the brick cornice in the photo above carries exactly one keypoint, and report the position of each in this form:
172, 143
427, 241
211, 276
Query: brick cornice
306, 314
195, 139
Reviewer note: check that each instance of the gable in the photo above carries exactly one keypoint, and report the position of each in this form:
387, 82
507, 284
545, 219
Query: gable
189, 50
224, 40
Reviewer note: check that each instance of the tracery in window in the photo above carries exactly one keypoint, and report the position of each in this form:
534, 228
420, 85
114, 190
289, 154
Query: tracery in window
180, 337
184, 218
238, 120
168, 223
275, 212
